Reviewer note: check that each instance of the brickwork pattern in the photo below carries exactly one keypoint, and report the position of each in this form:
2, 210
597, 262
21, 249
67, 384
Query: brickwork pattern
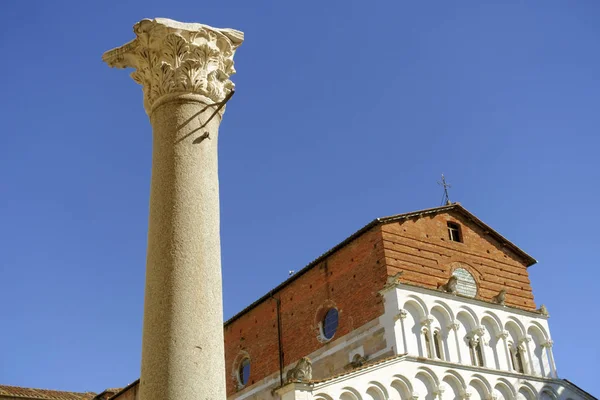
348, 279
422, 250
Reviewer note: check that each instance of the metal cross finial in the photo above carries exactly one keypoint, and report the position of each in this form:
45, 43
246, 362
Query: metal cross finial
446, 185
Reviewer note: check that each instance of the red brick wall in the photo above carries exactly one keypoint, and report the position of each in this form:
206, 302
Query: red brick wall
349, 279
420, 247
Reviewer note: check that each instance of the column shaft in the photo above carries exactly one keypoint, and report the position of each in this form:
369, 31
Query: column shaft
182, 345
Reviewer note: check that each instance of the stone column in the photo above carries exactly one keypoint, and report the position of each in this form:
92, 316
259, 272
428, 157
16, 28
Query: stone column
455, 326
504, 336
427, 329
402, 313
547, 345
184, 71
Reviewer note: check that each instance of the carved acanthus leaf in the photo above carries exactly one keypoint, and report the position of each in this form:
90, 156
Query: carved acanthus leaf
176, 58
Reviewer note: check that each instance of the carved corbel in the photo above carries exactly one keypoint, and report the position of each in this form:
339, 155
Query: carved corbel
479, 331
455, 325
427, 320
503, 335
302, 372
548, 343
402, 313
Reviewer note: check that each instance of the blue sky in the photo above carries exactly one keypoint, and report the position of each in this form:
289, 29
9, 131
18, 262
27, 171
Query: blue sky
344, 111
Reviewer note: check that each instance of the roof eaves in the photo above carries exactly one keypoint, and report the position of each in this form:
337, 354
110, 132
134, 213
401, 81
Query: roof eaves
126, 388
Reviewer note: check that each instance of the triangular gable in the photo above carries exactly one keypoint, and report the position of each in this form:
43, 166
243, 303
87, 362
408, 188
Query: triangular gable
469, 217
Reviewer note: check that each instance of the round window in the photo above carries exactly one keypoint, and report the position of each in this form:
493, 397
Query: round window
244, 371
330, 323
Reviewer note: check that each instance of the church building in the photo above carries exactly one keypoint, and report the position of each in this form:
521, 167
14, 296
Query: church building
427, 305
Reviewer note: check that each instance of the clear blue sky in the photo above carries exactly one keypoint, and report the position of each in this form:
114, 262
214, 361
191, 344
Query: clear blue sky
344, 111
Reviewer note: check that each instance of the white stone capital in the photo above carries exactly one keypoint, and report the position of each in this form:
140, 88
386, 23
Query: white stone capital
172, 58
503, 335
479, 331
401, 314
455, 325
427, 320
548, 343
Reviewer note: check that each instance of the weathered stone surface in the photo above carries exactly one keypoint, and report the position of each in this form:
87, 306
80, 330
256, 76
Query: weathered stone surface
171, 58
184, 69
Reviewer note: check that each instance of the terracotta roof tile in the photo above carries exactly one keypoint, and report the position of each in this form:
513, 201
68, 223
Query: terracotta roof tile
42, 394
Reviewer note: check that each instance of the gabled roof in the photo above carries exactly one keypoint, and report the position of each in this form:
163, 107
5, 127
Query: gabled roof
42, 394
454, 207
457, 207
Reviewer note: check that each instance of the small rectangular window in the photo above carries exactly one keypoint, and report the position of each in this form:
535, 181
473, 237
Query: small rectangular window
454, 232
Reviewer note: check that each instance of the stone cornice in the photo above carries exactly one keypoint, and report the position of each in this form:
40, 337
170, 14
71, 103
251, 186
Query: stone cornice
172, 58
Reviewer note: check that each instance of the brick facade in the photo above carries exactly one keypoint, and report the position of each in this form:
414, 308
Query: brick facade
421, 249
350, 276
348, 279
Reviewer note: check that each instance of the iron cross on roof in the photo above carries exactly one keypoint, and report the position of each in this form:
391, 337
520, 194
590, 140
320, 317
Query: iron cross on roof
446, 185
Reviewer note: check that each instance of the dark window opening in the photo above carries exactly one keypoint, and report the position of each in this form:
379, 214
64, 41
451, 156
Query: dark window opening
330, 323
437, 343
454, 232
476, 352
517, 359
244, 372
427, 343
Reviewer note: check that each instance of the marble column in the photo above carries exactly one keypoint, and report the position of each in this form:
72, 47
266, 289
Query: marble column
547, 345
184, 70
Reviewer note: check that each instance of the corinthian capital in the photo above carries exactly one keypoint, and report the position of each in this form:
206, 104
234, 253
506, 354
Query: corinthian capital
174, 58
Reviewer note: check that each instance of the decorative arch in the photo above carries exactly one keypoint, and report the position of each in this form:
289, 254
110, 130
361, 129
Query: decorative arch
376, 391
540, 328
455, 375
445, 307
549, 392
514, 321
414, 338
455, 382
492, 346
527, 391
428, 372
480, 386
426, 384
349, 393
420, 304
497, 321
323, 396
506, 389
470, 311
403, 386
539, 359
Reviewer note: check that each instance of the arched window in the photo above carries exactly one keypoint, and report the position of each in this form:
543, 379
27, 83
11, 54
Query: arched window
476, 352
437, 345
516, 358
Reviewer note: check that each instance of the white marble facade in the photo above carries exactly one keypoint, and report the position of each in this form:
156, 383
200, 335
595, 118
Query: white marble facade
450, 347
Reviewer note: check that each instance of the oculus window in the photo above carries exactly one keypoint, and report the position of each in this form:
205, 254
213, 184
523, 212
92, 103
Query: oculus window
244, 371
329, 324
